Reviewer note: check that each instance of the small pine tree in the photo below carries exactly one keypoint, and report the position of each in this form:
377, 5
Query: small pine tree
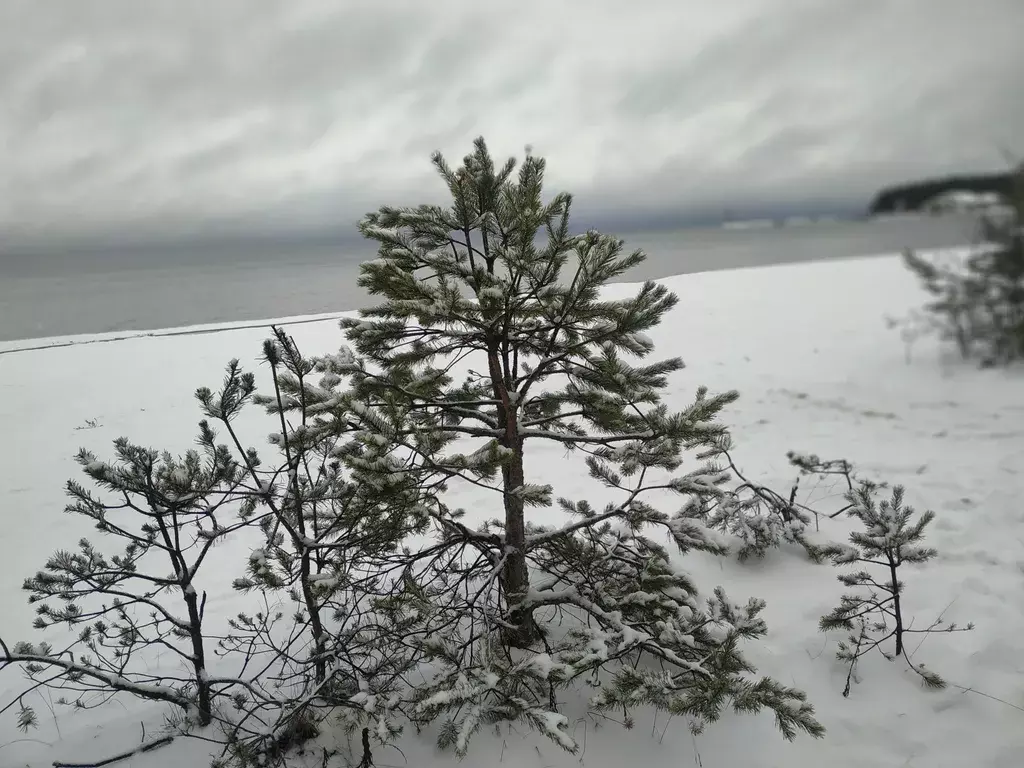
1004, 267
979, 302
811, 464
333, 513
326, 638
890, 538
170, 512
497, 283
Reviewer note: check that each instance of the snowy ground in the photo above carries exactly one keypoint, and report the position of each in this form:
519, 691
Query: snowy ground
818, 371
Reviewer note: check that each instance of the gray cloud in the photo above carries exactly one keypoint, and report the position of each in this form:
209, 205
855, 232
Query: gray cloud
187, 116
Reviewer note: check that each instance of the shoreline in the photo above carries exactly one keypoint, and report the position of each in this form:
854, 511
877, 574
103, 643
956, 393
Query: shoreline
97, 298
59, 342
43, 343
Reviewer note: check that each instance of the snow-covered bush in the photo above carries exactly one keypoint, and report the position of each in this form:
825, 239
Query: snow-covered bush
891, 537
758, 517
978, 301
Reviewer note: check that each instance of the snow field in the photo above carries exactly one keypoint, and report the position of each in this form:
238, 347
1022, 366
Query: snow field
818, 371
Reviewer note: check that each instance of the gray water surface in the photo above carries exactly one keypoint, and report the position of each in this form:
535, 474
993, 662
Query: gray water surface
77, 293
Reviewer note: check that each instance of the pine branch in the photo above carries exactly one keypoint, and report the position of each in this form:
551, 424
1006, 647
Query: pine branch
109, 679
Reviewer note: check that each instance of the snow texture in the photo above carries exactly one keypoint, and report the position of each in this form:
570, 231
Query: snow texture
818, 371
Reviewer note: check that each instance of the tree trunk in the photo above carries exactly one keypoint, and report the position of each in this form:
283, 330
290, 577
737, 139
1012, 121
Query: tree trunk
515, 576
195, 621
315, 622
896, 608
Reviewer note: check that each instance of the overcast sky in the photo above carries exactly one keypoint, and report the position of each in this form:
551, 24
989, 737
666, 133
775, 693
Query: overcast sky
143, 117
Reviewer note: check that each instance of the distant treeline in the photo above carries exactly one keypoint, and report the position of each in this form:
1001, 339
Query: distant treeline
911, 196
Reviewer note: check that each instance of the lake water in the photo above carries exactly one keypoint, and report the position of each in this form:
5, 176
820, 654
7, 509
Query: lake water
78, 293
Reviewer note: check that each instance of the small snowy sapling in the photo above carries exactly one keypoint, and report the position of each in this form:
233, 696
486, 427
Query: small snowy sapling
331, 533
323, 640
891, 537
170, 512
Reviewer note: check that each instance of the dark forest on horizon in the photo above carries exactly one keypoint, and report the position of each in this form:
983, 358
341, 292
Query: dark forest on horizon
911, 196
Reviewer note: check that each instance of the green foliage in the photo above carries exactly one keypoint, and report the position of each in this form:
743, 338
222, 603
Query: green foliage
759, 518
334, 511
340, 488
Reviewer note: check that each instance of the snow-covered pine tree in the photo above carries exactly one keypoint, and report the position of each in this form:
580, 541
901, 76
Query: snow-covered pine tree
1003, 266
169, 513
979, 301
497, 284
323, 640
891, 536
330, 553
760, 517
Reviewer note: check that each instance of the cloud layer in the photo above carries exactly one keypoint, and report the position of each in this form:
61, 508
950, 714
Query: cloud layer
188, 116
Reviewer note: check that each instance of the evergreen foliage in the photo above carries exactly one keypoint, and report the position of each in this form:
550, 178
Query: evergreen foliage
979, 302
759, 517
914, 195
320, 641
890, 538
332, 513
169, 513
